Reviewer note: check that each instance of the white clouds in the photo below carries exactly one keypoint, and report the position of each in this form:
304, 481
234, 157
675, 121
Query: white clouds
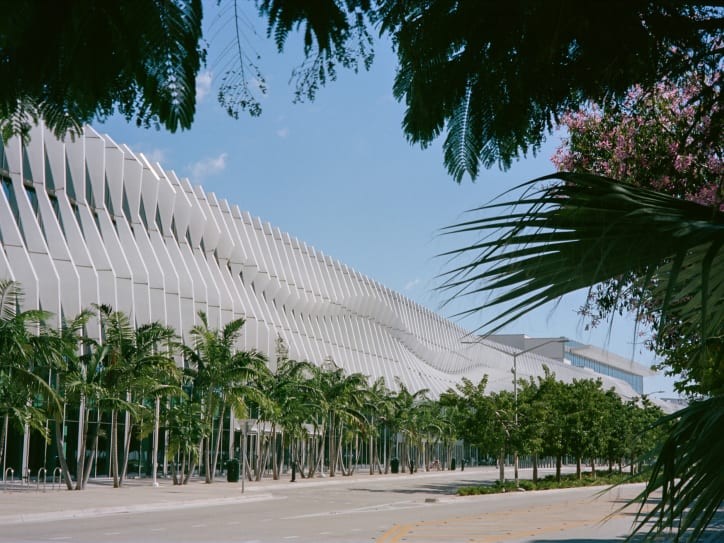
207, 166
412, 284
156, 155
203, 85
283, 132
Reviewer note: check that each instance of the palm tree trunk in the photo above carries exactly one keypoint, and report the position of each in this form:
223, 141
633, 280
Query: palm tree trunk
207, 455
332, 439
126, 449
192, 467
217, 444
94, 451
60, 447
4, 446
315, 466
114, 447
274, 452
83, 416
371, 454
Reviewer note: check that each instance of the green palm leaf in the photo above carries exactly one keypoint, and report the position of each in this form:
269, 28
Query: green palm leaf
584, 231
687, 472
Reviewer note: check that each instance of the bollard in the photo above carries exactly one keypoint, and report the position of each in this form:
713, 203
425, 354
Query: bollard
59, 471
42, 471
5, 476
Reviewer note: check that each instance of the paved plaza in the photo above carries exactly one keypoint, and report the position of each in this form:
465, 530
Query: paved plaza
384, 509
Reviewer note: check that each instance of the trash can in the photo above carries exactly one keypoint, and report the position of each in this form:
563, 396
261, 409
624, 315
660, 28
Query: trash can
232, 471
395, 465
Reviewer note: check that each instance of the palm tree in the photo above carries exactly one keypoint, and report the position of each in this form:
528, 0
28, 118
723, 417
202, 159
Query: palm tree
186, 429
589, 229
403, 419
378, 403
343, 400
288, 405
223, 378
27, 351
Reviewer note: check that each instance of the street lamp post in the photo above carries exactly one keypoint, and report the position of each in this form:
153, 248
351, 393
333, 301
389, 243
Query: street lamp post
515, 388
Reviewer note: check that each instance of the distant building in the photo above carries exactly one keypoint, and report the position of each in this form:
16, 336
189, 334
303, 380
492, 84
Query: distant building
607, 363
579, 355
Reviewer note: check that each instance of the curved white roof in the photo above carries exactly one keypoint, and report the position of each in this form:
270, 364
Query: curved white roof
86, 220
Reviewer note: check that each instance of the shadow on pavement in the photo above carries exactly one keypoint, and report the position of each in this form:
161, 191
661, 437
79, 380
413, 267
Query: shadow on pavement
423, 488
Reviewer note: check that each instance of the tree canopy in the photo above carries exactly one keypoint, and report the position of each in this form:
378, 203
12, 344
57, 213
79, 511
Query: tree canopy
493, 78
70, 62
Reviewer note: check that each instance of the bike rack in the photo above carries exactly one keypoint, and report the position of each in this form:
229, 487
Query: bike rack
59, 472
5, 476
44, 472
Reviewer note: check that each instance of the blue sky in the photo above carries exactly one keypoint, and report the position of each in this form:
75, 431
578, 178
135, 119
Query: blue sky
339, 174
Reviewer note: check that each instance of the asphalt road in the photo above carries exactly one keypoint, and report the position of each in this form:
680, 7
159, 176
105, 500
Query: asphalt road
414, 509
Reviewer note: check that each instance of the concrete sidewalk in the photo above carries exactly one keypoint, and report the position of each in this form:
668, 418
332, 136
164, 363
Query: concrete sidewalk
32, 503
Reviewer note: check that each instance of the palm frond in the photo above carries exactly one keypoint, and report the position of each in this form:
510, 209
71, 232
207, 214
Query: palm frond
10, 298
687, 472
583, 231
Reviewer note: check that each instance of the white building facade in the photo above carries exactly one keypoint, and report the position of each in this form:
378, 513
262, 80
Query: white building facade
86, 220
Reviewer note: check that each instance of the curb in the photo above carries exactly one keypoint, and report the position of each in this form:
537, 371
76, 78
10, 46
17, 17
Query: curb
128, 509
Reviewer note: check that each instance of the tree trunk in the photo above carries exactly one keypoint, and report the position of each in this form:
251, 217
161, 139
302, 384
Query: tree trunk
558, 467
94, 453
274, 452
331, 445
114, 447
126, 449
60, 447
501, 461
80, 469
4, 444
535, 468
217, 444
371, 454
593, 468
578, 467
314, 466
192, 467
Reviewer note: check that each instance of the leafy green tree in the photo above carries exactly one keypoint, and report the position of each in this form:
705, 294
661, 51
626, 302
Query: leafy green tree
539, 416
495, 81
585, 422
139, 58
666, 140
484, 419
